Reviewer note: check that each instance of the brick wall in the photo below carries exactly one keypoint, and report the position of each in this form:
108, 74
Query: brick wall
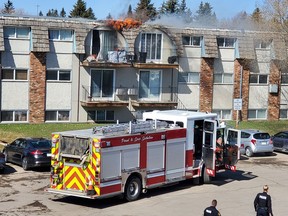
244, 66
206, 85
274, 98
37, 87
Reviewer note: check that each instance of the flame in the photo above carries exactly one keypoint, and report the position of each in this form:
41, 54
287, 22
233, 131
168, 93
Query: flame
127, 23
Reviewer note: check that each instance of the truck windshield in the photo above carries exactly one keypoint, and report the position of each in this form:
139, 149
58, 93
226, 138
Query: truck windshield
74, 145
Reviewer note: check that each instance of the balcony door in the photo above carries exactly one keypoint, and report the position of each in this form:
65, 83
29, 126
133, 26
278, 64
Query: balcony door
102, 82
149, 85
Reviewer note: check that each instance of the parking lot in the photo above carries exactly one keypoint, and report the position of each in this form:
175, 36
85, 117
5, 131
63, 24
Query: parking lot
22, 193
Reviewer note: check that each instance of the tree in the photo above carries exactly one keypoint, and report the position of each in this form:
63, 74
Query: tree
63, 13
130, 13
8, 8
205, 15
52, 13
145, 10
171, 7
109, 16
40, 13
79, 10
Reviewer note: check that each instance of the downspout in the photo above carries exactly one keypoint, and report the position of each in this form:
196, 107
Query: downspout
78, 99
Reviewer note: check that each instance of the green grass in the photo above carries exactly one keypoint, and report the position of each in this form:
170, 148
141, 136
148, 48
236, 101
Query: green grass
9, 132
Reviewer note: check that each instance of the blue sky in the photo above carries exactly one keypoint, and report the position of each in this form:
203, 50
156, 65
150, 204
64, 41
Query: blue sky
101, 8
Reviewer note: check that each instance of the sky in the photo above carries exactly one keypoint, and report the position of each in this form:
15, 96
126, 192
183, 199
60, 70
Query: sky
101, 8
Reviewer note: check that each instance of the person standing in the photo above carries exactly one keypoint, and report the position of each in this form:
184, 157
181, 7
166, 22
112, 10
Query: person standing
263, 203
211, 210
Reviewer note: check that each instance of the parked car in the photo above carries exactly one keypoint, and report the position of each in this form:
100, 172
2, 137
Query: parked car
2, 162
255, 141
29, 152
280, 141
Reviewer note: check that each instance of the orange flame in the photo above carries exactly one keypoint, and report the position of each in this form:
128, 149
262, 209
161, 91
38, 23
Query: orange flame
128, 23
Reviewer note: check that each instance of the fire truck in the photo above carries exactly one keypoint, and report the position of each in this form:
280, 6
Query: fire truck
127, 159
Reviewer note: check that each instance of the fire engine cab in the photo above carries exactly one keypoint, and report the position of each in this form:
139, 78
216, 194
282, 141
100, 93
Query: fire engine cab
126, 159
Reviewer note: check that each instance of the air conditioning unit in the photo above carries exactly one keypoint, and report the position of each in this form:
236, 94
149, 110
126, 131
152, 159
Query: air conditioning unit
132, 91
273, 88
121, 91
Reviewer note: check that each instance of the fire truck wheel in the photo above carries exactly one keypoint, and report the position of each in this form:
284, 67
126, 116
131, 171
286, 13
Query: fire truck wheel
132, 189
25, 163
206, 177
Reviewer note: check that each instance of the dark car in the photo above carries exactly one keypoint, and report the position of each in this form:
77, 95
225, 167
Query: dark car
2, 162
29, 152
280, 141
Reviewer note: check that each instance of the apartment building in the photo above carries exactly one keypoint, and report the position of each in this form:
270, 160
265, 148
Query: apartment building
77, 70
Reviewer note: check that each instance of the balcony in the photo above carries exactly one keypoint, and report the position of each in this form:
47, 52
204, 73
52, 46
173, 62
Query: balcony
129, 96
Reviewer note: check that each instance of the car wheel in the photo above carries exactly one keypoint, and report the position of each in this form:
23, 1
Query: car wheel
6, 157
133, 189
25, 163
248, 152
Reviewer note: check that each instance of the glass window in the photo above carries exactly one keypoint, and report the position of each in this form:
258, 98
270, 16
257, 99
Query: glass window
57, 115
217, 78
21, 74
9, 32
63, 35
102, 82
224, 78
283, 113
258, 78
186, 40
109, 115
22, 32
7, 116
100, 115
149, 84
284, 78
151, 43
223, 114
7, 73
91, 115
50, 115
257, 114
191, 40
63, 115
189, 77
12, 32
59, 75
20, 115
226, 42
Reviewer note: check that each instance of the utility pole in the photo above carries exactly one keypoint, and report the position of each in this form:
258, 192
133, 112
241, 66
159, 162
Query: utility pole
37, 9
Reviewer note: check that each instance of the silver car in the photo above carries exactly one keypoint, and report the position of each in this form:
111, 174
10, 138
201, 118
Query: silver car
255, 141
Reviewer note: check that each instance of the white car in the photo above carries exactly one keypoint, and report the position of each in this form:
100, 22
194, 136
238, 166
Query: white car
255, 141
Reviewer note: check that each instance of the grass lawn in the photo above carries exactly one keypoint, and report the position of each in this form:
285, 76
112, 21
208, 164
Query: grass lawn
9, 132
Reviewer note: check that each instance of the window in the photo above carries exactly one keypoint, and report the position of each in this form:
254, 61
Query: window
226, 42
102, 82
151, 43
63, 35
189, 77
283, 113
224, 114
257, 114
57, 115
192, 40
262, 44
101, 115
58, 75
19, 32
14, 74
224, 78
258, 78
14, 116
284, 78
149, 84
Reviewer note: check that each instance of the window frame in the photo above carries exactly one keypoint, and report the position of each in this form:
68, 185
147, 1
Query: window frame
226, 42
96, 118
257, 76
14, 73
223, 79
187, 77
58, 75
259, 44
191, 41
57, 114
257, 114
14, 116
153, 49
16, 33
58, 34
221, 114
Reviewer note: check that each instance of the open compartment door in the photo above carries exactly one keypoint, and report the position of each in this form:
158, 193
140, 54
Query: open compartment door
232, 148
209, 146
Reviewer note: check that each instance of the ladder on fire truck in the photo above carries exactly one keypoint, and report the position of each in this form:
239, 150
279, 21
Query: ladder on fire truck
130, 128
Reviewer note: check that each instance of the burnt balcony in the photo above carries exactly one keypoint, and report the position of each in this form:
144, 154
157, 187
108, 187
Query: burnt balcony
129, 96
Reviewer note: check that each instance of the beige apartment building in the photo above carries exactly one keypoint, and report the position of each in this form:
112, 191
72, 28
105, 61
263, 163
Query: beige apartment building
77, 70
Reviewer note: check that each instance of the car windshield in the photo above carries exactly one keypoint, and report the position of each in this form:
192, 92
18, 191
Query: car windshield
41, 144
261, 136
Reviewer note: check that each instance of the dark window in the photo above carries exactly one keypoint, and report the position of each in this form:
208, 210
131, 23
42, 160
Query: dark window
261, 136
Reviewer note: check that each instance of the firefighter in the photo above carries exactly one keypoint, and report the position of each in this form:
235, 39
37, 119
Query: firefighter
262, 203
212, 211
219, 149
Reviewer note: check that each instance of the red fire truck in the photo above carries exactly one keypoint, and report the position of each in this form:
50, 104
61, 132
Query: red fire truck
127, 159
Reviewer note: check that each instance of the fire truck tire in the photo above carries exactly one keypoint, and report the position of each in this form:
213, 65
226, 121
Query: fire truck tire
206, 178
132, 189
25, 163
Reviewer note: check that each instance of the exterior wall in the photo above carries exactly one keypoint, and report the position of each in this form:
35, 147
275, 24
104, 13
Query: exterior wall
37, 88
223, 97
19, 90
56, 101
206, 85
